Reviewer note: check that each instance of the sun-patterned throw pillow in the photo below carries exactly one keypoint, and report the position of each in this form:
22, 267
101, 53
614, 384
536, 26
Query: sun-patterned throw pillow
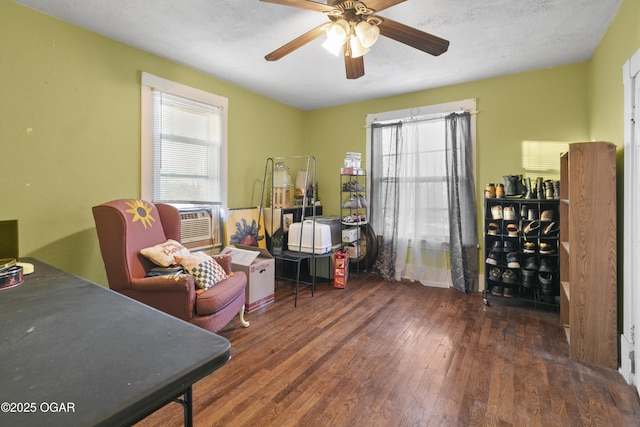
205, 270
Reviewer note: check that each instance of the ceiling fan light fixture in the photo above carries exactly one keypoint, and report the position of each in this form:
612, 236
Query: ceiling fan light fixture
353, 28
333, 46
337, 34
338, 30
367, 33
357, 48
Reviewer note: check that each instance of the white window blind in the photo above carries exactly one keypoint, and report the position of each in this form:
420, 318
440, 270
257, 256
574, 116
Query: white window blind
183, 144
187, 139
543, 157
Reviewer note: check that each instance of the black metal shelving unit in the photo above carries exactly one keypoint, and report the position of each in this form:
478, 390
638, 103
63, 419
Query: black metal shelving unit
287, 278
521, 250
355, 220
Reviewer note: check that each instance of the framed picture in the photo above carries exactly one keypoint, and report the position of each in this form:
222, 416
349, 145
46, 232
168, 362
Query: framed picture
244, 226
287, 220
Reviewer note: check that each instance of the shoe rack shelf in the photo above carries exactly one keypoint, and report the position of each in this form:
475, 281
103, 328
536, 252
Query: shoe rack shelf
588, 252
353, 215
521, 241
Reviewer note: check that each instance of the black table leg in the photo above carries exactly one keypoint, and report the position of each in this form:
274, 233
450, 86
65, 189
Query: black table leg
187, 406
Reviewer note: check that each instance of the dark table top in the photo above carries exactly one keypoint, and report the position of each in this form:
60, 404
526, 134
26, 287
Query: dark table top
73, 353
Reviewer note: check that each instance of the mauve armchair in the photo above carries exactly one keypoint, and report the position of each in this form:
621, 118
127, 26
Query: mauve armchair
125, 227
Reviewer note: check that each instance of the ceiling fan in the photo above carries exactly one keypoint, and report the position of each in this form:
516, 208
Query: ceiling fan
353, 28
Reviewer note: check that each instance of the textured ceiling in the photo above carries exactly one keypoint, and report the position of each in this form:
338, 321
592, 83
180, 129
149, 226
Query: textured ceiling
228, 39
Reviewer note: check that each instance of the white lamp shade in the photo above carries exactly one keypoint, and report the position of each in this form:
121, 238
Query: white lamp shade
367, 33
337, 33
357, 49
333, 45
338, 30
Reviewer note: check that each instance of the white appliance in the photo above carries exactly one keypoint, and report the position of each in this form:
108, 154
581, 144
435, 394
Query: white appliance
195, 225
302, 236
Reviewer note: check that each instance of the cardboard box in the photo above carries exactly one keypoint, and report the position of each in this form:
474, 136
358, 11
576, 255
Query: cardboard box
350, 235
260, 268
354, 250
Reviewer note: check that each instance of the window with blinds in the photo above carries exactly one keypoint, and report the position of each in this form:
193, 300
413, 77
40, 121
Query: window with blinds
186, 149
183, 144
543, 158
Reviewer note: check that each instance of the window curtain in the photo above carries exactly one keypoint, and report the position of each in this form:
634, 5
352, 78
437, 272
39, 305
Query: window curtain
420, 171
383, 198
463, 235
409, 203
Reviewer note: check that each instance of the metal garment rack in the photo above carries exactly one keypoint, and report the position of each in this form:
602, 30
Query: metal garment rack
293, 284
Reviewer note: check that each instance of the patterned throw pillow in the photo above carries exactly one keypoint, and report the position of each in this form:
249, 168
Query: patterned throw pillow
164, 254
204, 269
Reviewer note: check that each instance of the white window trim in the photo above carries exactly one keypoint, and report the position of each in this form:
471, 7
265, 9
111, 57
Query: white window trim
629, 353
150, 82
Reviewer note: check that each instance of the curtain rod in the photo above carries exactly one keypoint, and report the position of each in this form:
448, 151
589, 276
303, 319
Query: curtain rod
424, 118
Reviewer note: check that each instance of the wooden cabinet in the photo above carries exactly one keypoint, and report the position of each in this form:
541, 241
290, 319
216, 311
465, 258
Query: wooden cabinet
588, 259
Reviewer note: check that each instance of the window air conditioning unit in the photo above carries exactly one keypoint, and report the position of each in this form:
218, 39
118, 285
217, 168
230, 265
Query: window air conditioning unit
200, 229
196, 225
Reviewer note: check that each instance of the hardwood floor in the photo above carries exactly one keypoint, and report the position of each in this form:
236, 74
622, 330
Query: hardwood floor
401, 354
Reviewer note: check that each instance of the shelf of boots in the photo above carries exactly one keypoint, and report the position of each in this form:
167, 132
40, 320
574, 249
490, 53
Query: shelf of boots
521, 248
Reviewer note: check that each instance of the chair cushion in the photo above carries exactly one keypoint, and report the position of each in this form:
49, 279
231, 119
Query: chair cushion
224, 261
164, 254
205, 270
217, 298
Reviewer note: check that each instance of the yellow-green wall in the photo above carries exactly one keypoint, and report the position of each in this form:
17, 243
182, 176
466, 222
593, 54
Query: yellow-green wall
620, 42
542, 105
70, 132
606, 102
70, 128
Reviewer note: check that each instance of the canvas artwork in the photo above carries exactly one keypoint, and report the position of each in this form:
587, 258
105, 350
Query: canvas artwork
287, 219
244, 226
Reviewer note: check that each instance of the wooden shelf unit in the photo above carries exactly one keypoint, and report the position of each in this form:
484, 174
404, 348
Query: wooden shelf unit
588, 252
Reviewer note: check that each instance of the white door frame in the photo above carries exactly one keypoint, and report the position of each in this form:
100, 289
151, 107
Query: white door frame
629, 355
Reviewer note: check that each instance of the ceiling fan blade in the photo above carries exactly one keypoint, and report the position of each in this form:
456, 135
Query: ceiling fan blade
379, 5
296, 43
303, 4
354, 67
413, 37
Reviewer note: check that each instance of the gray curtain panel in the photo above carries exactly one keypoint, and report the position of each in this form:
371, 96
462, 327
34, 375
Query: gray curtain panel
463, 238
385, 202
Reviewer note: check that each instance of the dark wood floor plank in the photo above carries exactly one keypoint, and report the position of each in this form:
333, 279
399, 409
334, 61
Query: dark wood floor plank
401, 354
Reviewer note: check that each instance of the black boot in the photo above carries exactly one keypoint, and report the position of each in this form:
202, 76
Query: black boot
539, 188
556, 189
528, 194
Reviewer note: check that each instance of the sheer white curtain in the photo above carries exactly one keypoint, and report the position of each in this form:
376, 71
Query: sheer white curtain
409, 201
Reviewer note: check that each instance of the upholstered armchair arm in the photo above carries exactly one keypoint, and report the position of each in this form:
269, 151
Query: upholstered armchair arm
173, 294
168, 283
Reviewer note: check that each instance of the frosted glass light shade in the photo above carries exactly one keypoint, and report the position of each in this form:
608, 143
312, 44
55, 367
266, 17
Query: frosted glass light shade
337, 33
333, 46
357, 49
367, 33
338, 30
